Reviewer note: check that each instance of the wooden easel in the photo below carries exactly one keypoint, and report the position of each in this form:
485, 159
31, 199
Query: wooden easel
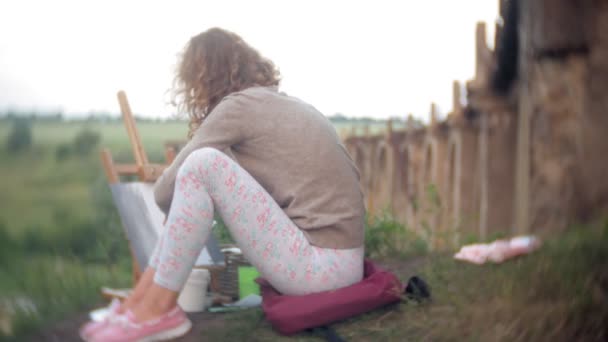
143, 169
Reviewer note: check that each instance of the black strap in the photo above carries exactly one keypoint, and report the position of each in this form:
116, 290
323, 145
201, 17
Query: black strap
329, 334
417, 289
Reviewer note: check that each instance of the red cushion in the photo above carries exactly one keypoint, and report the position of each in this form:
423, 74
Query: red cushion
290, 314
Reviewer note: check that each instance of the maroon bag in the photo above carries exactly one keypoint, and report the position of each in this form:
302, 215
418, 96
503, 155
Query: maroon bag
291, 314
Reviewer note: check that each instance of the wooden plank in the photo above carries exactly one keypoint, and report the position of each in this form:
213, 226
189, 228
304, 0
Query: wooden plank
146, 173
138, 150
127, 169
108, 166
150, 172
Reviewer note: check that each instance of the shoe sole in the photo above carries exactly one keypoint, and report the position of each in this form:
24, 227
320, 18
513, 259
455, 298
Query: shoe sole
88, 337
170, 334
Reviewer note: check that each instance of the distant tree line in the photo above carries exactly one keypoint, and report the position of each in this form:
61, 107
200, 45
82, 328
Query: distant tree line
31, 116
20, 136
62, 117
341, 118
109, 117
20, 139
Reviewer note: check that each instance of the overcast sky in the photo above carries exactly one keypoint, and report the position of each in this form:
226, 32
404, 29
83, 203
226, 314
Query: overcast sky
360, 58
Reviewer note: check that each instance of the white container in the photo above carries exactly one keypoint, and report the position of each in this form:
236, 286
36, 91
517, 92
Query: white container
193, 297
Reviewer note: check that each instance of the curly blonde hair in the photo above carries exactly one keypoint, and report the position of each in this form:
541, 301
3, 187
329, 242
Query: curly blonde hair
214, 64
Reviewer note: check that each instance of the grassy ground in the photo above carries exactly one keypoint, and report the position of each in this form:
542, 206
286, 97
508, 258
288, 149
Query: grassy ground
44, 289
557, 294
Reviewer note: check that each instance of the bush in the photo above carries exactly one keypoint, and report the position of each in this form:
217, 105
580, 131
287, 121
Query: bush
33, 242
85, 142
62, 152
20, 137
8, 246
385, 237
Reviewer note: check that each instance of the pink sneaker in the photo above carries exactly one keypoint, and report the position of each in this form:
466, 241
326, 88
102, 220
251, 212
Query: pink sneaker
171, 325
93, 326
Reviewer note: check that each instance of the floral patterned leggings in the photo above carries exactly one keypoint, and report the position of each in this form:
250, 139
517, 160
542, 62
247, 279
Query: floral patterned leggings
209, 181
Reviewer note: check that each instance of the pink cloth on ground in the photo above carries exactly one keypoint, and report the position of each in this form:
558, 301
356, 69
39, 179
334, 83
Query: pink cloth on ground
498, 251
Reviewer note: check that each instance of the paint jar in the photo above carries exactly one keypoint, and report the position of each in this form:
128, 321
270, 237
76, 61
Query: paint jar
193, 297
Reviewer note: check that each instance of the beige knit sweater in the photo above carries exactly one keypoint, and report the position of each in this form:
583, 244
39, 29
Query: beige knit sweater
293, 151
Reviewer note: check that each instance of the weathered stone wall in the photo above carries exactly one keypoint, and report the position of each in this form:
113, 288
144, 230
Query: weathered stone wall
533, 158
594, 123
565, 62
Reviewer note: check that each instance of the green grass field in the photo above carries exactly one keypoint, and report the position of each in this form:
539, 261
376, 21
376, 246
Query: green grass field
61, 237
35, 187
113, 133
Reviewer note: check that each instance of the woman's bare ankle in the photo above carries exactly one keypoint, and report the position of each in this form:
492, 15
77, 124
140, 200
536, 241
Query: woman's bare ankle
155, 303
138, 292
